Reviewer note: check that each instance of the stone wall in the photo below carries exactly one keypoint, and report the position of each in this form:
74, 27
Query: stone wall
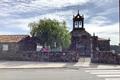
81, 42
12, 49
105, 57
40, 56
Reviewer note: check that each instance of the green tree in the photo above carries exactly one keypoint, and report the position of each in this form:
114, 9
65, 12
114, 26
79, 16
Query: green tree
51, 32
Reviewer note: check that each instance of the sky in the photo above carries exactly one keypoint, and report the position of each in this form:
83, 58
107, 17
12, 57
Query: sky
101, 16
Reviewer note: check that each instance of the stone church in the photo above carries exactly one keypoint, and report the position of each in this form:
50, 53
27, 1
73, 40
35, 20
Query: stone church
24, 47
82, 41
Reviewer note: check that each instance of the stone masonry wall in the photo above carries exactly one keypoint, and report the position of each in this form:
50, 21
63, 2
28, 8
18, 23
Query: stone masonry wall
105, 57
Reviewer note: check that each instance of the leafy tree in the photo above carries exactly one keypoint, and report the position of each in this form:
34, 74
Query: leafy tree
51, 32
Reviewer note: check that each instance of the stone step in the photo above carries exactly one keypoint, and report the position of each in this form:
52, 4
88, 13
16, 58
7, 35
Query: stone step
84, 59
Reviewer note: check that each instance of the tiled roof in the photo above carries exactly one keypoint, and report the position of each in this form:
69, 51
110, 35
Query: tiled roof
12, 38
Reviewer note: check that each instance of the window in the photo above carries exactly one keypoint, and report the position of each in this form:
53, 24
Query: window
5, 47
76, 24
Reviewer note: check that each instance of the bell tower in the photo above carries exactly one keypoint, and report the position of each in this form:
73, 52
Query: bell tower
80, 38
78, 22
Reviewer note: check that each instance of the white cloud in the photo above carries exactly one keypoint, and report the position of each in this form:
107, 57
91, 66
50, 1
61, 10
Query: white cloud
2, 14
101, 3
59, 3
22, 23
17, 24
99, 20
107, 31
109, 11
10, 6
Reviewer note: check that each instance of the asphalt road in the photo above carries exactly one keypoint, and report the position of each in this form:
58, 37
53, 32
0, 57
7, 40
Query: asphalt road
47, 74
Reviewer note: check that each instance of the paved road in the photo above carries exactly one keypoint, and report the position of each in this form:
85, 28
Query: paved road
107, 72
79, 71
46, 74
91, 72
29, 64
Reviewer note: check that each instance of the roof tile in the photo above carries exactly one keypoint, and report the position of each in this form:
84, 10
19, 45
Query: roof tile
12, 38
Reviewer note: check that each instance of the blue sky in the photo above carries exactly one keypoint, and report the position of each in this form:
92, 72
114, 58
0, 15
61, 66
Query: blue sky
101, 16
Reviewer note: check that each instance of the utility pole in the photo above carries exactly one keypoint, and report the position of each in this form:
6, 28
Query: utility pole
119, 21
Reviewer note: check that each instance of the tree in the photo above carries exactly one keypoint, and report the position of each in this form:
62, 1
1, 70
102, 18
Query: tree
51, 33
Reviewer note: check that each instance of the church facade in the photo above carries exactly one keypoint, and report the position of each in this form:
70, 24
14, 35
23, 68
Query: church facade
82, 41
